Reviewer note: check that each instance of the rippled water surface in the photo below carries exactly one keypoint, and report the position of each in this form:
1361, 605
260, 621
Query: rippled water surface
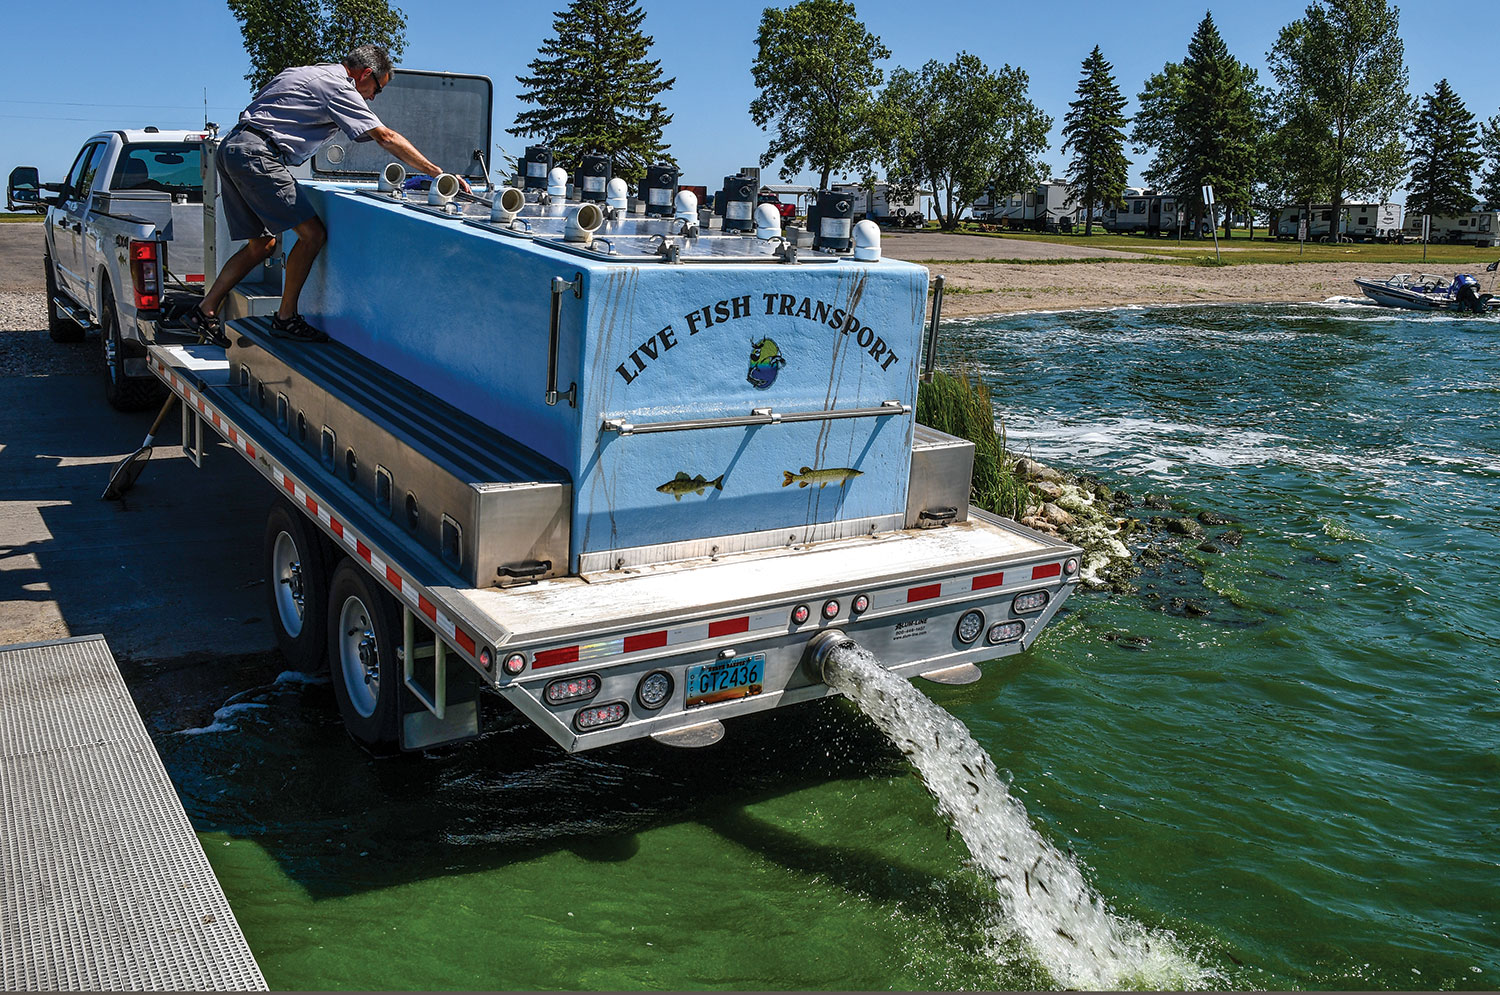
1299, 786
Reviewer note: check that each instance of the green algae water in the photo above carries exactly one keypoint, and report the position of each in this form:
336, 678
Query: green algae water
1282, 751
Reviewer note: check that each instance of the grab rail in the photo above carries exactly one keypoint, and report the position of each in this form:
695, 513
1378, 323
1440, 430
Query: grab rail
560, 287
757, 416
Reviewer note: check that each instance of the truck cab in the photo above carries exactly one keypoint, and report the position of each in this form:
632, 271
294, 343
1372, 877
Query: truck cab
123, 229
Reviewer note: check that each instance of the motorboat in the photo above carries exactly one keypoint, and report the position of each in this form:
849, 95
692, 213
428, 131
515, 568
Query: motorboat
1424, 292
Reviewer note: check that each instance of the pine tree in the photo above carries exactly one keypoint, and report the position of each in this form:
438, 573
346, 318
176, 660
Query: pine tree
1444, 154
1489, 180
1095, 132
1200, 115
595, 91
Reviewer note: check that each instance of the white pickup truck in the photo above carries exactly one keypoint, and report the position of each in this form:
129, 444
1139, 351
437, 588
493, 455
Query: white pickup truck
123, 229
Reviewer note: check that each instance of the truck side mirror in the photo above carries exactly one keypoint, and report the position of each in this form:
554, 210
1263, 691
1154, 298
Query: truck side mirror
23, 190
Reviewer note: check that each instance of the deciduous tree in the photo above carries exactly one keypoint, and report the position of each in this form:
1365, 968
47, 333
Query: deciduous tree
960, 128
1342, 101
815, 67
280, 34
1095, 132
594, 89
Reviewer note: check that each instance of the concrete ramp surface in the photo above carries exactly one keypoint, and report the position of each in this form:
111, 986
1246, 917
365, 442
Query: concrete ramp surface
103, 885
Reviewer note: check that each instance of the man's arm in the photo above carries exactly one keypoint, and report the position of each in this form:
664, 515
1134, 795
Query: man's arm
397, 145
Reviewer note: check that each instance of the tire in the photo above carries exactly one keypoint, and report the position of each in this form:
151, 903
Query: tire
296, 572
59, 326
124, 392
364, 635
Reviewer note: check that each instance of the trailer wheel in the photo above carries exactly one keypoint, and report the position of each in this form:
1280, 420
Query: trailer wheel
363, 639
59, 326
296, 573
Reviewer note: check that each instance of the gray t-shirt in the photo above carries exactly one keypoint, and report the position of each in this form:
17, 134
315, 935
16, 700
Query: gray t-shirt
302, 108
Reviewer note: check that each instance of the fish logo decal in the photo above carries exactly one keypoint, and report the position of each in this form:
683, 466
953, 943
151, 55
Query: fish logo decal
683, 484
832, 475
766, 361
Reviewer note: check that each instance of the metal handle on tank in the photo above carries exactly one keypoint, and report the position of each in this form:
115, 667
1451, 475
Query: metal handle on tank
758, 416
560, 287
932, 330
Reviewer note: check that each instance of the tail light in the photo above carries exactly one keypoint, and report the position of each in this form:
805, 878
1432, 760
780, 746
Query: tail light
145, 274
599, 716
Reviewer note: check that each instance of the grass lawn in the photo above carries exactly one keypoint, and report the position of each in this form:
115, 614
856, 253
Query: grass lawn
20, 219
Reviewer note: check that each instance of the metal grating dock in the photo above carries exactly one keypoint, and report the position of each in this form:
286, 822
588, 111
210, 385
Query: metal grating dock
103, 885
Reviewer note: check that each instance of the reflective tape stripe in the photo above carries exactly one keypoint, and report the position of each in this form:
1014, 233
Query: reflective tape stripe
1043, 572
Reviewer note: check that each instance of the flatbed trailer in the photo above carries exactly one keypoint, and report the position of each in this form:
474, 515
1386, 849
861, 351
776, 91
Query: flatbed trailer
536, 464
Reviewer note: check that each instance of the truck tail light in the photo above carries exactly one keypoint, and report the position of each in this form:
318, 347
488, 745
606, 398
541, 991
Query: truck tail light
572, 688
599, 716
145, 274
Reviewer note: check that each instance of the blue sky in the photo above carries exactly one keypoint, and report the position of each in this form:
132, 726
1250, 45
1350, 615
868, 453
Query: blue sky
116, 66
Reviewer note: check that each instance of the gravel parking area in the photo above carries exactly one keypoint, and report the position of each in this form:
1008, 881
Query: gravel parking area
26, 350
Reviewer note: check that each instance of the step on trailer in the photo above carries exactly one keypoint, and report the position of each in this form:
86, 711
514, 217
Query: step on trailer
620, 472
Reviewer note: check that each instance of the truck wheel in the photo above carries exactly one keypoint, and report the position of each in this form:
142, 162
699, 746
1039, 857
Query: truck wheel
364, 635
124, 393
59, 326
297, 585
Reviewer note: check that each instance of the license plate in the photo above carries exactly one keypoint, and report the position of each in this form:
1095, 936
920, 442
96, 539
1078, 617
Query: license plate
725, 680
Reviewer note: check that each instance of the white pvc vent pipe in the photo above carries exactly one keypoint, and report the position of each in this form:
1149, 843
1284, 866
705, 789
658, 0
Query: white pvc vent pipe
583, 220
444, 188
391, 177
686, 206
767, 221
557, 184
867, 241
617, 195
507, 204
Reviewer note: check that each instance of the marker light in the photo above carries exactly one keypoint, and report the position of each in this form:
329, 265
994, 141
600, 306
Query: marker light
831, 608
515, 663
1006, 632
1071, 566
970, 625
860, 604
599, 716
801, 614
572, 689
1029, 602
654, 690
487, 658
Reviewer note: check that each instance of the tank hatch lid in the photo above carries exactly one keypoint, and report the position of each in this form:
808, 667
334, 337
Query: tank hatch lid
446, 115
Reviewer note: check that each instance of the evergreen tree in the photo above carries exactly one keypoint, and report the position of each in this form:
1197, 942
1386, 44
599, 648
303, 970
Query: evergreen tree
815, 67
1095, 132
1444, 155
595, 91
1342, 101
1489, 179
1201, 117
280, 34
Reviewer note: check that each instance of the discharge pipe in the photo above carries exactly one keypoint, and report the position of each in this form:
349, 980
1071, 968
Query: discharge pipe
617, 195
444, 188
686, 207
824, 645
583, 220
767, 221
507, 204
867, 242
392, 177
557, 184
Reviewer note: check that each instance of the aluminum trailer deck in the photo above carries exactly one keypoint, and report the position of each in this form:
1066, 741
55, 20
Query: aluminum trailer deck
103, 884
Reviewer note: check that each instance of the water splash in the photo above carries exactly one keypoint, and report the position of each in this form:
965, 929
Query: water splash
1044, 897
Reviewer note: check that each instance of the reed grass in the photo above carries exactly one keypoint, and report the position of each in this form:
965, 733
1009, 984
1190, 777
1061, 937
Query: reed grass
960, 405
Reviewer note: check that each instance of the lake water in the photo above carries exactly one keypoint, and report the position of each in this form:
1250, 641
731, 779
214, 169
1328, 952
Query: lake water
1299, 786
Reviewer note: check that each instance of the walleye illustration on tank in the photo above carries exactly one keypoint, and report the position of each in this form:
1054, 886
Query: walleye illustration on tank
683, 484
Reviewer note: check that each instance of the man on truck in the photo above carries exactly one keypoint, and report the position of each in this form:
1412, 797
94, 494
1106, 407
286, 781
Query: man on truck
288, 121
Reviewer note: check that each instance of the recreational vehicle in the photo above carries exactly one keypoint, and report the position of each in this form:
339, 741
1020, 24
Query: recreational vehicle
1144, 211
1046, 207
882, 204
1361, 222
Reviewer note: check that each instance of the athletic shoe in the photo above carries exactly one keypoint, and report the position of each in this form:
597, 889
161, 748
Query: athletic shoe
296, 327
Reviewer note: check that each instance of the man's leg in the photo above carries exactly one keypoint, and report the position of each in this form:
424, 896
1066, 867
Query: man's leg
310, 238
251, 254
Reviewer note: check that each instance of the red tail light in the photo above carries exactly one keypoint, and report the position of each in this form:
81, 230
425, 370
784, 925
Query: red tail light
145, 274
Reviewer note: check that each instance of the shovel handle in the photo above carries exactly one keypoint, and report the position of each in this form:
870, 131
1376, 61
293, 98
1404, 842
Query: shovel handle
161, 416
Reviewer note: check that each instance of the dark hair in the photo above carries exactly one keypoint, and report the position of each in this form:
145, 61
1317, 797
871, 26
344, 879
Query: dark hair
371, 57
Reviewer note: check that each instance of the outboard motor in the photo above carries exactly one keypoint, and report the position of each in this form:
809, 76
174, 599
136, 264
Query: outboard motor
1466, 293
535, 167
593, 178
657, 190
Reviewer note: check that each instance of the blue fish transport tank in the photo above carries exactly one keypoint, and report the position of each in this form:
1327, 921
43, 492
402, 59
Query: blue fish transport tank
705, 391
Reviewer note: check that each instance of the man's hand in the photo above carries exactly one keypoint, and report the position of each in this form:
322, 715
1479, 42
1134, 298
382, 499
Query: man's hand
397, 145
